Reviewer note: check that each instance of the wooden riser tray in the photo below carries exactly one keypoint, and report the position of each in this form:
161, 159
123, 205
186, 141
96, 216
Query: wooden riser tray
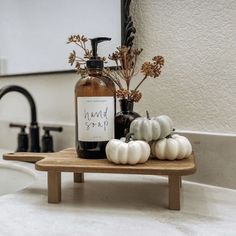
67, 161
31, 157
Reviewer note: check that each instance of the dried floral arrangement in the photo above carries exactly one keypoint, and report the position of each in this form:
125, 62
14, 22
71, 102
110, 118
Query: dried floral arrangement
125, 59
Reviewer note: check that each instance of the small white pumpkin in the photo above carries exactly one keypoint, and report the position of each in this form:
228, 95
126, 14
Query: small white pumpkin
127, 152
171, 148
148, 129
166, 125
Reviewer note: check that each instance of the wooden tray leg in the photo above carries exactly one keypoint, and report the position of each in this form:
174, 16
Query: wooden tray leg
174, 192
54, 187
79, 177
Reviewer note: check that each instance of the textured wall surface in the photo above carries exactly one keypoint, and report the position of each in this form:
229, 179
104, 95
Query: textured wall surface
198, 40
197, 87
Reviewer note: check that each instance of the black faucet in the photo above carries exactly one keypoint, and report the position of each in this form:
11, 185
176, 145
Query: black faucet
34, 128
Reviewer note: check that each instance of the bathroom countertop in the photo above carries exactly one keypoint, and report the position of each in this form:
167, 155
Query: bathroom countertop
111, 204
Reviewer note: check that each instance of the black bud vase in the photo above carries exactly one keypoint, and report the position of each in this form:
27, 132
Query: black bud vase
124, 118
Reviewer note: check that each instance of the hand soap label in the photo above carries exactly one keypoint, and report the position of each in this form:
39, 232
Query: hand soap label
95, 118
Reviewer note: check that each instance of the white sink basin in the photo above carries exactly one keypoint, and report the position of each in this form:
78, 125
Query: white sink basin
14, 178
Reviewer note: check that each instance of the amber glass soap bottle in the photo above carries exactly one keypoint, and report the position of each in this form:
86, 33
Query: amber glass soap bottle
95, 108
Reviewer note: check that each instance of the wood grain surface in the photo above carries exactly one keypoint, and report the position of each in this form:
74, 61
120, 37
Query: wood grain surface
67, 161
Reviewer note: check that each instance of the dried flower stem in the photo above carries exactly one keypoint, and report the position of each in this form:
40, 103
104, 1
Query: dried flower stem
140, 83
80, 59
115, 80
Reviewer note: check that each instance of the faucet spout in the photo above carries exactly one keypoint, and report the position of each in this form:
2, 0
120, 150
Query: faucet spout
34, 129
15, 88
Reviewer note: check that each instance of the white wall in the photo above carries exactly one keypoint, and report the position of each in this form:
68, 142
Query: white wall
197, 87
198, 40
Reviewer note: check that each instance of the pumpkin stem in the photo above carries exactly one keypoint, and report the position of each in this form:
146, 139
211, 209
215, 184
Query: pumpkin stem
128, 136
147, 114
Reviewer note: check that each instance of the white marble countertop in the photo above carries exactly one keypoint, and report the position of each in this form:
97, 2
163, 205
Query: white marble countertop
108, 204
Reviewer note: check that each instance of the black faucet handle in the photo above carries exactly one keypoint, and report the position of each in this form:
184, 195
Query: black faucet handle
53, 128
22, 138
17, 125
47, 140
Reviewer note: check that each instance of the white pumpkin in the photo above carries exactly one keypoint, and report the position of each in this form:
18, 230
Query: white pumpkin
148, 129
171, 148
166, 125
127, 152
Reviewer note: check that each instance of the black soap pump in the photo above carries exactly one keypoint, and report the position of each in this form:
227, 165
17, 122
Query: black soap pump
95, 62
47, 140
95, 108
